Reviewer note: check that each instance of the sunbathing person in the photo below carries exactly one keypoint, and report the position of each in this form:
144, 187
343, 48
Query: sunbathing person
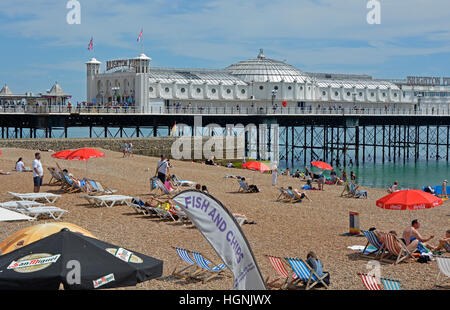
410, 234
316, 265
170, 186
393, 188
4, 173
299, 195
238, 217
412, 246
444, 243
252, 188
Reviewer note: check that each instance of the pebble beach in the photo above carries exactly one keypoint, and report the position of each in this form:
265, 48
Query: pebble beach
281, 229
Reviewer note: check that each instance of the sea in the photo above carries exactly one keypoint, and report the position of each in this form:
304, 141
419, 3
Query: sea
411, 175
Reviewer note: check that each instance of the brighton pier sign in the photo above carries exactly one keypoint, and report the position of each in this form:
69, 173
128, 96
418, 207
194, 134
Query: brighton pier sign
112, 64
428, 81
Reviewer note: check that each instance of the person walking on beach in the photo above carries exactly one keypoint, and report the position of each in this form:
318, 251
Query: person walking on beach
38, 172
130, 149
162, 169
444, 189
274, 174
124, 149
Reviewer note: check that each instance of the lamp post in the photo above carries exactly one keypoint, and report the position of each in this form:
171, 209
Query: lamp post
274, 95
419, 99
115, 89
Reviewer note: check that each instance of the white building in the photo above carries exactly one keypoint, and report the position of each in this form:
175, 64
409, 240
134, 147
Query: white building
259, 82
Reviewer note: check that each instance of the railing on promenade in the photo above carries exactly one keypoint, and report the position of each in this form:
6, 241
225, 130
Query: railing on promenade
59, 109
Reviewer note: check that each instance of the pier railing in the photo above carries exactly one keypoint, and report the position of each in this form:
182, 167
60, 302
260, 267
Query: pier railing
54, 109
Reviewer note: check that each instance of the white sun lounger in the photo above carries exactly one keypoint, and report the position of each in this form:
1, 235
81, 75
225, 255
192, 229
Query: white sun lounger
108, 200
42, 211
9, 216
13, 205
48, 197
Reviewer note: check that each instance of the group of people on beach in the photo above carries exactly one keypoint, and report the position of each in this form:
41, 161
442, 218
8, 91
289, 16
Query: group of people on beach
415, 242
127, 149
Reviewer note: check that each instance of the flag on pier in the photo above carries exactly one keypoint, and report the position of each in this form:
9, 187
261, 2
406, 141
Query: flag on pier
91, 44
140, 35
174, 130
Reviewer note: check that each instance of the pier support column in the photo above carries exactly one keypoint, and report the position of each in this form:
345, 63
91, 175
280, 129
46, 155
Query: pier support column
357, 145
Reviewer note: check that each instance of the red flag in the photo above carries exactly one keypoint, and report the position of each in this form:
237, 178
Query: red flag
91, 44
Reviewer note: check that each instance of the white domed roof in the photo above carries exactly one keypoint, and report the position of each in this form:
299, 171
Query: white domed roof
263, 69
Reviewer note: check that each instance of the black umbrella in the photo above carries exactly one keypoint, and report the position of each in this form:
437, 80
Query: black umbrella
76, 261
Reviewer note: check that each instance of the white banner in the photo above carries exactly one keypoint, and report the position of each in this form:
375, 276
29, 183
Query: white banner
224, 234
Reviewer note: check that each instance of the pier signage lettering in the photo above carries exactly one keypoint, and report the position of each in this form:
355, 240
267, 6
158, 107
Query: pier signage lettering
428, 81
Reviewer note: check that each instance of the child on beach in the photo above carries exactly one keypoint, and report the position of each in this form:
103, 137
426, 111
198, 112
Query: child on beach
393, 188
444, 243
444, 189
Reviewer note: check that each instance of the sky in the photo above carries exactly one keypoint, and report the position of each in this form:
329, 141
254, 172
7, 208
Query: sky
39, 47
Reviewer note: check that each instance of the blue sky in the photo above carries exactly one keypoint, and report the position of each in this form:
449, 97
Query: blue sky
39, 47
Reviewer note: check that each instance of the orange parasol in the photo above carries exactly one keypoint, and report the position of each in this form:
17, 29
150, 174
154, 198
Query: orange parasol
34, 233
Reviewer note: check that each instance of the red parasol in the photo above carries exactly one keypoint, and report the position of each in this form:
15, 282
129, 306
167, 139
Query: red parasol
255, 165
62, 154
321, 165
85, 154
411, 199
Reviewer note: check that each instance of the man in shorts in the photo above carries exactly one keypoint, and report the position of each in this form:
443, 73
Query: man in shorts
38, 172
162, 169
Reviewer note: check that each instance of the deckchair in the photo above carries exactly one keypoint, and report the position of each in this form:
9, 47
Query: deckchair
346, 192
391, 284
444, 269
182, 217
41, 211
356, 193
179, 182
70, 186
100, 188
305, 273
188, 271
370, 282
48, 197
163, 189
373, 240
282, 193
243, 187
395, 247
205, 264
108, 200
14, 205
56, 178
280, 268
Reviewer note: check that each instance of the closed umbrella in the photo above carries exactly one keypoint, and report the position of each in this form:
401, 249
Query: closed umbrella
411, 199
34, 233
76, 261
85, 155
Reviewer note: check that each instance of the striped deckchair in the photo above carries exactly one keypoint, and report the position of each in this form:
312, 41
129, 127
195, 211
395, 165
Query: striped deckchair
280, 268
391, 284
305, 273
205, 264
395, 247
370, 282
373, 240
444, 269
185, 257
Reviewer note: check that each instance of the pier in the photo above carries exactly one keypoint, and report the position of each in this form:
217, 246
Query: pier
338, 136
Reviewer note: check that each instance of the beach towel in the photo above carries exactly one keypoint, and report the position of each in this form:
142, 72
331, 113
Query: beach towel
360, 248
